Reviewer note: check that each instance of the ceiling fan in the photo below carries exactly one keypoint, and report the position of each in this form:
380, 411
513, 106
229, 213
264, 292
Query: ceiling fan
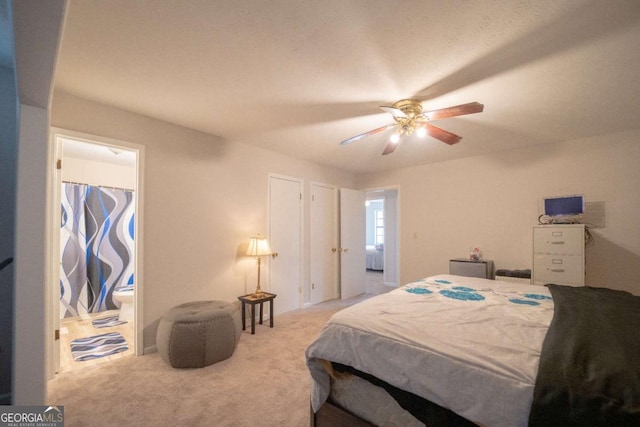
409, 117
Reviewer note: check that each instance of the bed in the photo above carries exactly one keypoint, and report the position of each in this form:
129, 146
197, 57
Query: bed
375, 258
451, 350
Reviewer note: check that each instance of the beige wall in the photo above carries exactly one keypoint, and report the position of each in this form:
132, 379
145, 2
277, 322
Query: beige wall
31, 312
8, 172
493, 201
204, 197
37, 27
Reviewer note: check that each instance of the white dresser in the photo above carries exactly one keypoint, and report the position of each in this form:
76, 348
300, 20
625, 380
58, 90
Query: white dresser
558, 254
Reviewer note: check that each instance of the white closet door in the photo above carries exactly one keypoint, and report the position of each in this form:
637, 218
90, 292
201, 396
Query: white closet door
285, 237
324, 243
353, 280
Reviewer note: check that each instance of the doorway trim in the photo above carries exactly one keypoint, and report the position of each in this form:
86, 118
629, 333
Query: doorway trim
53, 264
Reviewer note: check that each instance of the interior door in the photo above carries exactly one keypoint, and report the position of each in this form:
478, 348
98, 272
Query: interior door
353, 280
324, 237
285, 237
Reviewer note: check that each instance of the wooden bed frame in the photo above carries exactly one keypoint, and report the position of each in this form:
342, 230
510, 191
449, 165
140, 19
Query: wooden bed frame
330, 415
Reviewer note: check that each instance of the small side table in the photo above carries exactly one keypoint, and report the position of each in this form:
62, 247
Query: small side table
253, 300
466, 267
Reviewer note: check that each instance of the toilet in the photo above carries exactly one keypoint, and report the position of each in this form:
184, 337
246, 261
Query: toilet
125, 296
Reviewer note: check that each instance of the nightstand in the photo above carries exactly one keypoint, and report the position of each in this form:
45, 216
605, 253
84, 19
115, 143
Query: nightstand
253, 300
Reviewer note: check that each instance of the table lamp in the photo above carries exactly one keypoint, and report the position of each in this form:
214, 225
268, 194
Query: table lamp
258, 246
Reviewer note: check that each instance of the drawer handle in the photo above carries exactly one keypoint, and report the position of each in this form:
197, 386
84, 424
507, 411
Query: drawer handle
558, 270
558, 243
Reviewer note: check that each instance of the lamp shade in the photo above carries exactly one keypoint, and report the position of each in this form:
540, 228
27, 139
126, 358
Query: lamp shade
259, 246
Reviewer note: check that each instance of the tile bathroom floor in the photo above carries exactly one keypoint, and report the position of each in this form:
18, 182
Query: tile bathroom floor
77, 327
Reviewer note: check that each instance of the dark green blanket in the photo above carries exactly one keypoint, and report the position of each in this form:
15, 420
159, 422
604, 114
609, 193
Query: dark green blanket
589, 372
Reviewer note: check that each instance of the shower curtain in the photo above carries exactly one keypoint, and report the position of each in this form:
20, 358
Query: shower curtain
97, 247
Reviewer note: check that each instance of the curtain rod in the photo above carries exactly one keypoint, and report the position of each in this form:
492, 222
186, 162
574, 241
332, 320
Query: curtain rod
96, 185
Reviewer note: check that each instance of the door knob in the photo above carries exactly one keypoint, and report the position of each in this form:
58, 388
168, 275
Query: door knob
275, 254
334, 250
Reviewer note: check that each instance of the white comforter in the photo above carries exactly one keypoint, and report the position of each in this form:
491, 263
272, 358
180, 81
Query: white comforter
471, 345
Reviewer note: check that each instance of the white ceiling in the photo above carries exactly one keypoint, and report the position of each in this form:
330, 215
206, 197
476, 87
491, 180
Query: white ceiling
97, 152
299, 76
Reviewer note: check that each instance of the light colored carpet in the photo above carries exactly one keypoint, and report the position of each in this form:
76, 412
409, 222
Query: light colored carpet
265, 382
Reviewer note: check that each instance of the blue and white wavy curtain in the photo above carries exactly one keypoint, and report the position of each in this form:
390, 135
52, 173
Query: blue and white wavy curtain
97, 247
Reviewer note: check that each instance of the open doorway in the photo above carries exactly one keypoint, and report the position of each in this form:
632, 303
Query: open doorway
382, 236
96, 278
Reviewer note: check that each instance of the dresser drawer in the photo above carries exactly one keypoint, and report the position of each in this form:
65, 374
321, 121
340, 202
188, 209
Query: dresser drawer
559, 269
559, 240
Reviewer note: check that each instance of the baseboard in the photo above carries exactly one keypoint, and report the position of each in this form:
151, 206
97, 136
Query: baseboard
330, 415
150, 349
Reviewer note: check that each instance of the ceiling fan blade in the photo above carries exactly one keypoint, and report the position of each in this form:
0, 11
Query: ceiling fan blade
395, 112
390, 148
441, 134
371, 132
458, 110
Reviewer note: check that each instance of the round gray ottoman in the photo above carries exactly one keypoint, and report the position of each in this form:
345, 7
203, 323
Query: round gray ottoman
198, 334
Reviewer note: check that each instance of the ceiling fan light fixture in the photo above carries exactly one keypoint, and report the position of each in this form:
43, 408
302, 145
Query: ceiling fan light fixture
407, 127
409, 117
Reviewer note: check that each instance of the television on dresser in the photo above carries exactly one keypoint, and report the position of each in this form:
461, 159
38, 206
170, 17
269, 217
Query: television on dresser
564, 207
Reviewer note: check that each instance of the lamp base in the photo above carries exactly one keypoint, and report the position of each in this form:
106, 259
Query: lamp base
258, 294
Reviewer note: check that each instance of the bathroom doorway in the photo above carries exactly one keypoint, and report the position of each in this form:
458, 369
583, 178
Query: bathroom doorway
96, 278
382, 236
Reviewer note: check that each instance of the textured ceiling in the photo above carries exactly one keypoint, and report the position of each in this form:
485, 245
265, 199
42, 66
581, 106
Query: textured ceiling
299, 76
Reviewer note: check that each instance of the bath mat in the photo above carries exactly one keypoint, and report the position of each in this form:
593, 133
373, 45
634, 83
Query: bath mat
106, 322
98, 346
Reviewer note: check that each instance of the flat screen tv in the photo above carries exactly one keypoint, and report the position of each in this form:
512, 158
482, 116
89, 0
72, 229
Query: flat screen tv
565, 206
